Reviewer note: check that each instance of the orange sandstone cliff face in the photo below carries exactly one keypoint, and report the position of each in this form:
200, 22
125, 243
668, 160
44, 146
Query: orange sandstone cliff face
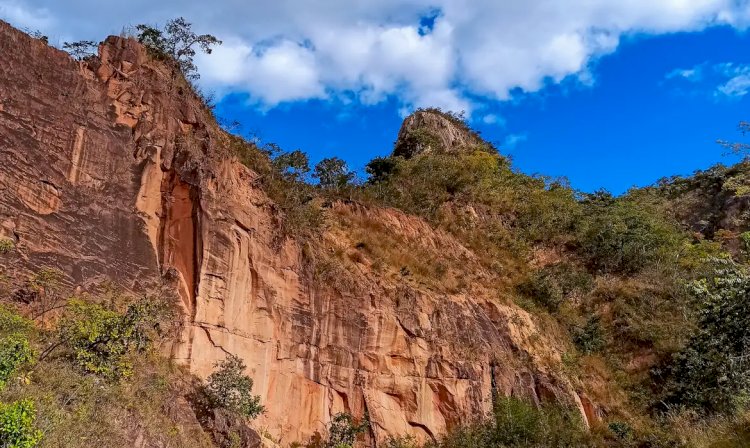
112, 170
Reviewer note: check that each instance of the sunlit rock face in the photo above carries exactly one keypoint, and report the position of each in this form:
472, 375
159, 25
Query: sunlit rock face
111, 169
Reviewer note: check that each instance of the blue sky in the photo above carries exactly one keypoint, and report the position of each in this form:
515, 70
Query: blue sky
609, 93
637, 122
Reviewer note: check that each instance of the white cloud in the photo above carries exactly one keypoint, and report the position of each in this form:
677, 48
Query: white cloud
493, 119
736, 87
513, 140
723, 80
694, 74
291, 50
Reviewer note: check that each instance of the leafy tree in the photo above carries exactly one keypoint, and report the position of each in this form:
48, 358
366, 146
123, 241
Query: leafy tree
333, 173
343, 430
619, 236
178, 42
293, 165
15, 351
589, 338
17, 425
100, 339
380, 168
81, 49
229, 388
712, 372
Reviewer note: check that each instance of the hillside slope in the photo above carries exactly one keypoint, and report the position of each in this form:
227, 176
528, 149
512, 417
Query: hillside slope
112, 170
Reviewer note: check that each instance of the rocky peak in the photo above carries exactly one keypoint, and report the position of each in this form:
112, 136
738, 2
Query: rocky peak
434, 131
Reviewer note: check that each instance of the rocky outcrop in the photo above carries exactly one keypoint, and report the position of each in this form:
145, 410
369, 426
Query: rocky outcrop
112, 169
431, 130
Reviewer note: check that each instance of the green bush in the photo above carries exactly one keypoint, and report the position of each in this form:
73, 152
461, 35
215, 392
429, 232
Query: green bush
552, 285
6, 245
15, 351
400, 442
712, 373
589, 338
620, 236
343, 430
517, 423
17, 425
11, 322
99, 339
229, 388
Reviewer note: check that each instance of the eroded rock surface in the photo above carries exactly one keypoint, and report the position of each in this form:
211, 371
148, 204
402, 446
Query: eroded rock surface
111, 169
431, 131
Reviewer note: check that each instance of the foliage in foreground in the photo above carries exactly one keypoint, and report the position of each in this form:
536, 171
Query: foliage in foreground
96, 379
516, 423
228, 387
17, 425
712, 373
100, 339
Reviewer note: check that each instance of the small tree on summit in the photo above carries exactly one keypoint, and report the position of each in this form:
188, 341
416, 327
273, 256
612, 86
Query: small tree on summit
178, 42
333, 173
81, 49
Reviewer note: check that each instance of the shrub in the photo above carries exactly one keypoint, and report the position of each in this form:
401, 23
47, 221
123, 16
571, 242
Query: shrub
343, 430
100, 339
15, 351
619, 236
516, 423
589, 338
6, 245
745, 241
621, 430
552, 285
400, 442
11, 322
229, 388
712, 373
17, 425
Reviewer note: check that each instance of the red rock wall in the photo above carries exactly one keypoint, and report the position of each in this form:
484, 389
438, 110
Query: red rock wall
112, 169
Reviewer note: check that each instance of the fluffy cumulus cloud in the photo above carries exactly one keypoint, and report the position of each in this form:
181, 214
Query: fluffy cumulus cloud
449, 53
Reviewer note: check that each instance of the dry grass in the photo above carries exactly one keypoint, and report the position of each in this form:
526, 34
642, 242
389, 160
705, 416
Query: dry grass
401, 248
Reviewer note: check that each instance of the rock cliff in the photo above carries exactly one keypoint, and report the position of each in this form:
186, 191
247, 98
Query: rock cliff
111, 169
431, 130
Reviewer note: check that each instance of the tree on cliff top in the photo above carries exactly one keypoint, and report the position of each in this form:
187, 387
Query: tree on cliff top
178, 42
333, 173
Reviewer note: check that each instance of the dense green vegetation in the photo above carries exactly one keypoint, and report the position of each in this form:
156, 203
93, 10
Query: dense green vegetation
89, 371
